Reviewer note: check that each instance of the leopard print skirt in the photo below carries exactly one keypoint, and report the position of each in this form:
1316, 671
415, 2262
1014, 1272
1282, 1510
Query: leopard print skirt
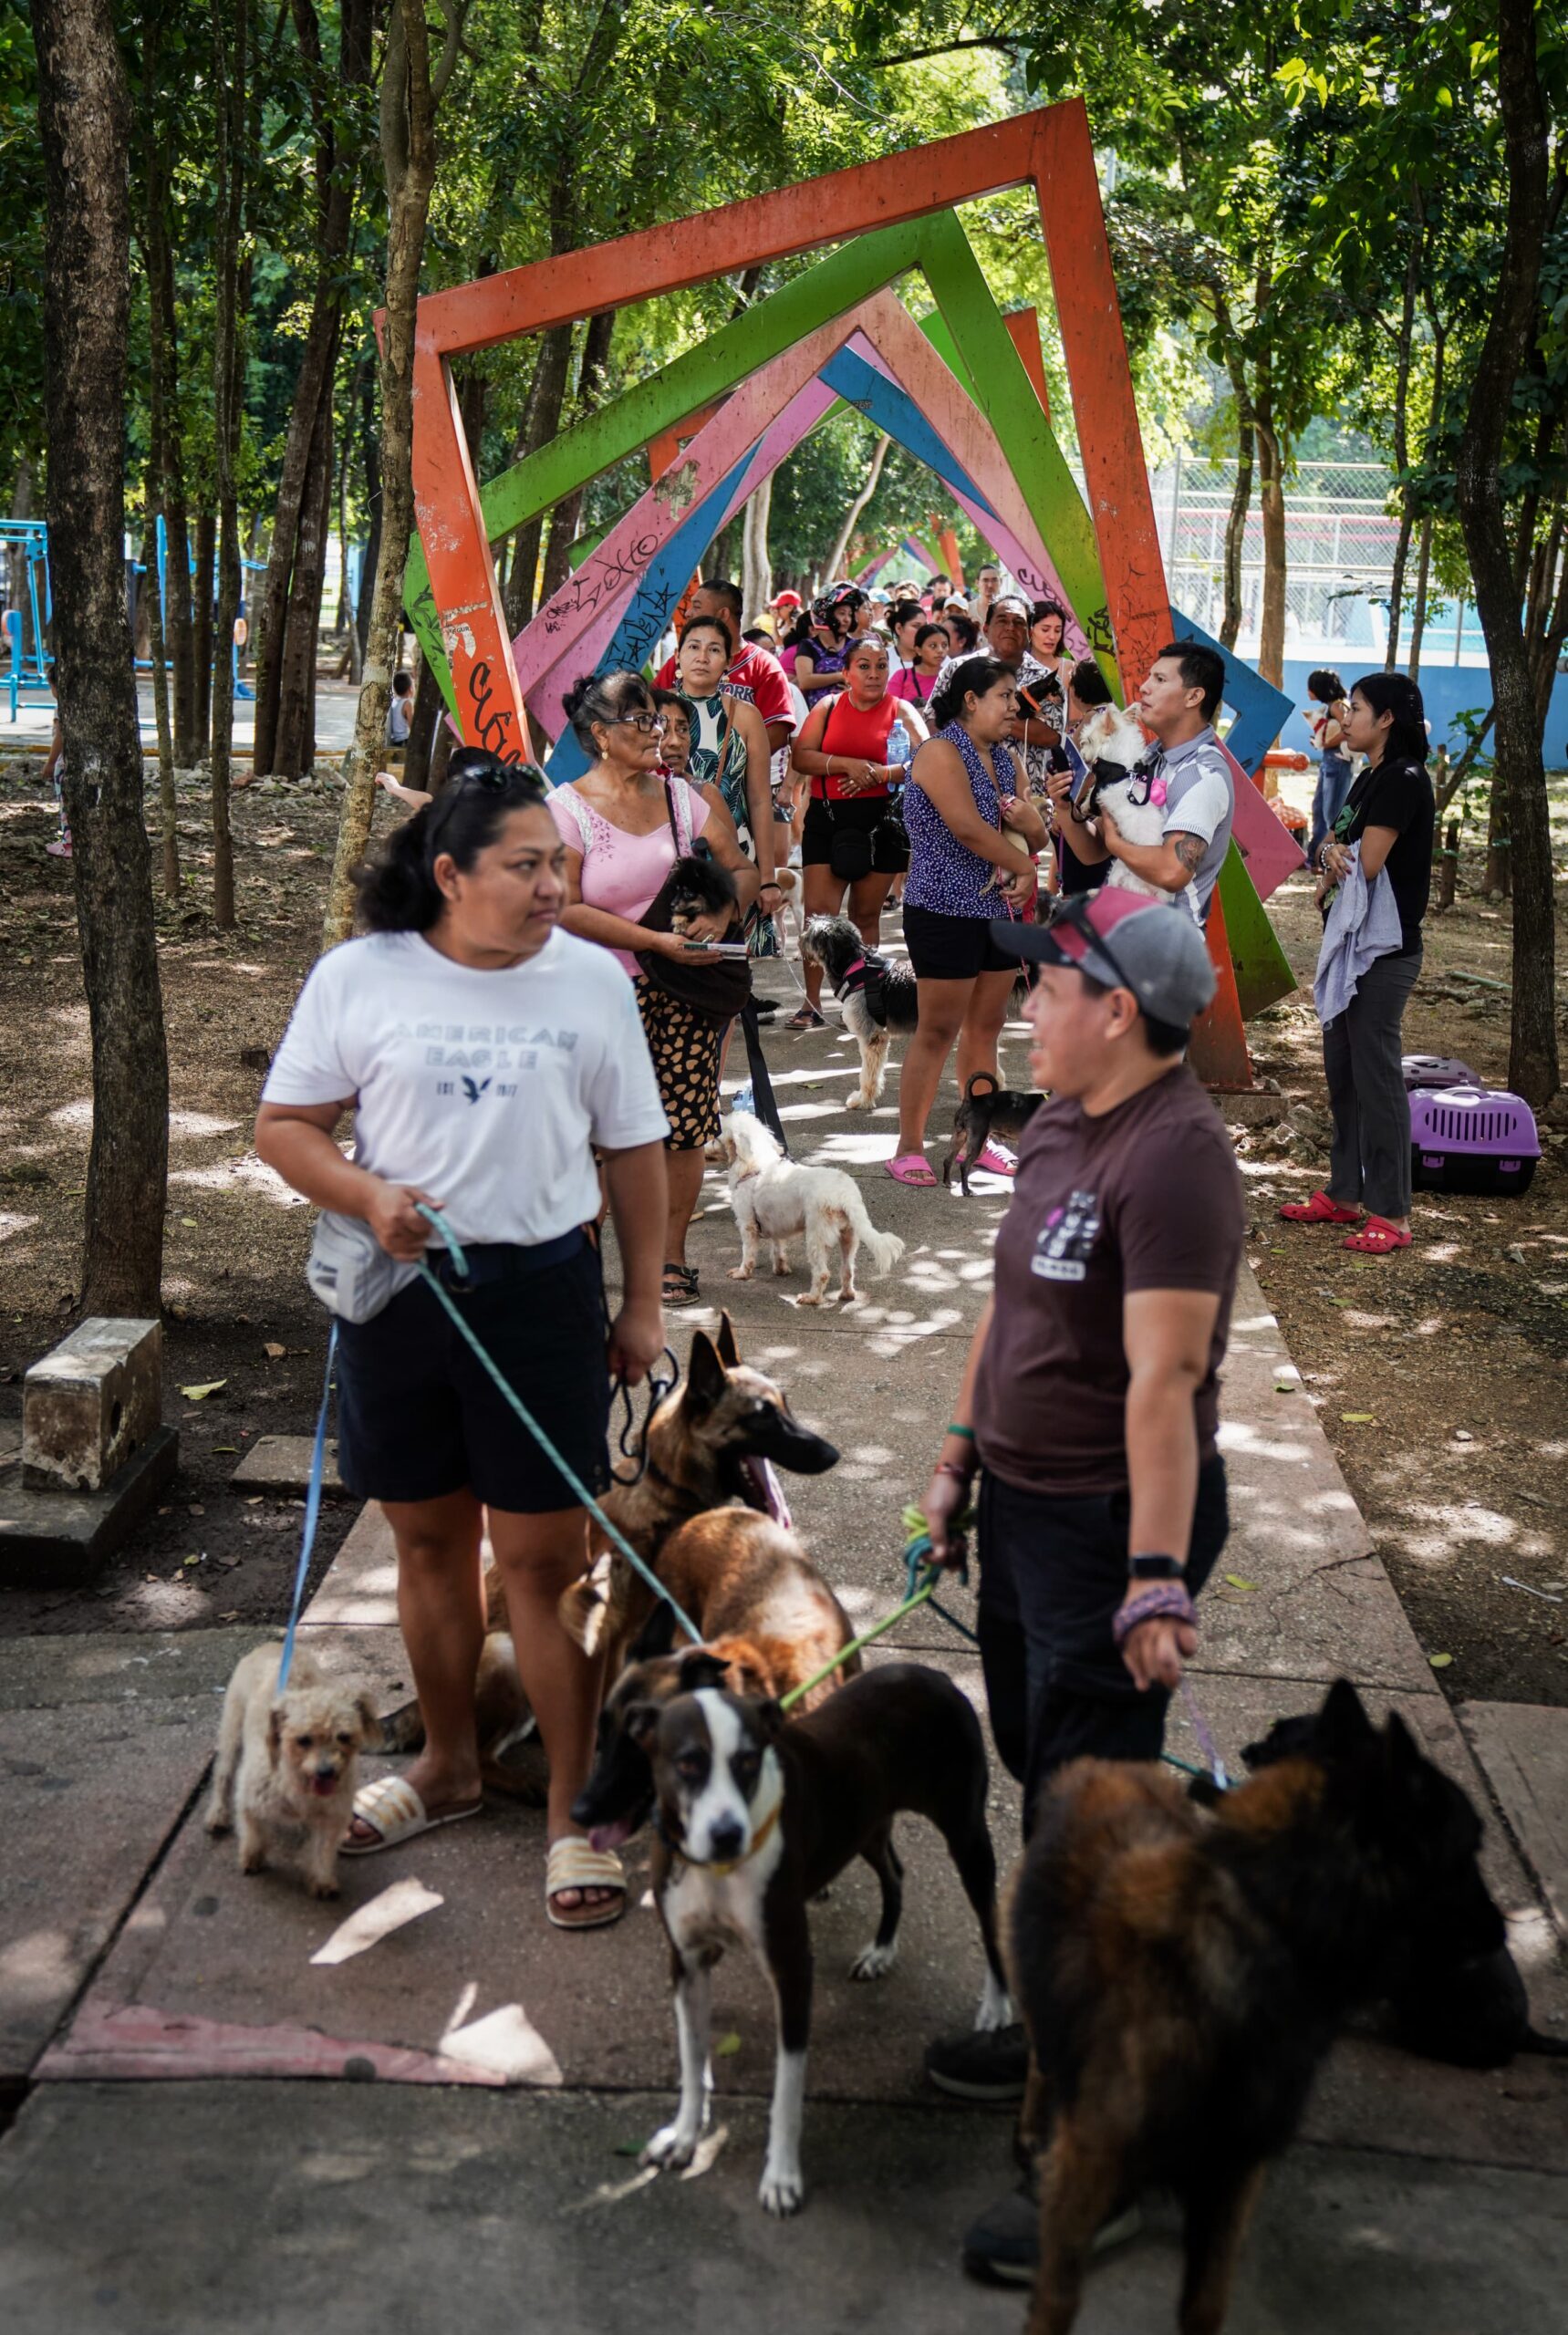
684, 1045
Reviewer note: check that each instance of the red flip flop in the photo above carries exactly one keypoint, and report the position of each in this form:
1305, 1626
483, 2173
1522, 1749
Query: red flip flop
1319, 1210
1377, 1237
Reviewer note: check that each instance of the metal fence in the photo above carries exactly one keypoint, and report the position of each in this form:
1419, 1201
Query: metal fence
1340, 538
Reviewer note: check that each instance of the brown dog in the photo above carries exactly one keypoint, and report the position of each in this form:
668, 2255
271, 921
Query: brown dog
711, 1443
1182, 1971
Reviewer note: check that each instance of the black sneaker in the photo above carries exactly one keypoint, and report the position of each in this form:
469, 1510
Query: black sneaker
984, 2064
1003, 2246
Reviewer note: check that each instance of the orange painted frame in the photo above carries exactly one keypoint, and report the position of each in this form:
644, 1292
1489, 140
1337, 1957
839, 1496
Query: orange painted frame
1049, 149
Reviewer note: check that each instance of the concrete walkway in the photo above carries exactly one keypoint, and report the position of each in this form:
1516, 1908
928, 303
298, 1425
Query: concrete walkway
463, 2156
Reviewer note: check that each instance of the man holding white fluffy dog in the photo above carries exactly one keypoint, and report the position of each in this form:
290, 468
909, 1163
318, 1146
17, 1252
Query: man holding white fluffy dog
1189, 773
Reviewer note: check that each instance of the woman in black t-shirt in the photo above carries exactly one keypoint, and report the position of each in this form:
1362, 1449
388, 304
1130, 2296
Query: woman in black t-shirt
1389, 812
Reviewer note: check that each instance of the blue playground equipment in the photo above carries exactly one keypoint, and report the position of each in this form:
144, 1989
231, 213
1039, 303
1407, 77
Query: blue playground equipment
27, 666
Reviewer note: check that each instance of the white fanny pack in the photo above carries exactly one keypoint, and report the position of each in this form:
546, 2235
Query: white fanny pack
348, 1270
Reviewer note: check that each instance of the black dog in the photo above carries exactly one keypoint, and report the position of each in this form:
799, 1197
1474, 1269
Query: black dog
987, 1108
1468, 2009
698, 886
1182, 1970
756, 1818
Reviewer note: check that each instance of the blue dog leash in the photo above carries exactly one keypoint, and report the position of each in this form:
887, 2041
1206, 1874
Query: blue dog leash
318, 1460
616, 1537
312, 1514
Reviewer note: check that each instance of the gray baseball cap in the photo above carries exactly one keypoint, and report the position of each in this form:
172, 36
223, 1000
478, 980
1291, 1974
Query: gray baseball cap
1127, 941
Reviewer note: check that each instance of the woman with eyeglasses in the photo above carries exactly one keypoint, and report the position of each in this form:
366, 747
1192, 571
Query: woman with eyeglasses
486, 1056
819, 660
624, 824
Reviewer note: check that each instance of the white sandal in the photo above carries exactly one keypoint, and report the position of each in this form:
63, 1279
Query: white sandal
572, 1863
396, 1812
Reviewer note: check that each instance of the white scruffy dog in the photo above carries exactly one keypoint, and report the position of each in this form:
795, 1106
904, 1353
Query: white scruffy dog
774, 1198
1110, 735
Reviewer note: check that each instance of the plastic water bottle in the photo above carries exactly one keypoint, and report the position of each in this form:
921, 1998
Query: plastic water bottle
900, 746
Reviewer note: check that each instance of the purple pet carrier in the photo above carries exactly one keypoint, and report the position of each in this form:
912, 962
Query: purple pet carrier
1472, 1139
1436, 1070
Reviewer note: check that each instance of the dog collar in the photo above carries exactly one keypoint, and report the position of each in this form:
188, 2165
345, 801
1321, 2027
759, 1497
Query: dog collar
759, 1841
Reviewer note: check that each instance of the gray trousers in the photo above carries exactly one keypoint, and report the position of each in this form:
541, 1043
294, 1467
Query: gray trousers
1370, 1161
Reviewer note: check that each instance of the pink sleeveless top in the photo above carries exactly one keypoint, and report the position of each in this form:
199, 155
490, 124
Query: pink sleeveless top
622, 872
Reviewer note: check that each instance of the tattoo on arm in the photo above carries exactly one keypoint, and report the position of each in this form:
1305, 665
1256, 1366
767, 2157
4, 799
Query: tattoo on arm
1190, 850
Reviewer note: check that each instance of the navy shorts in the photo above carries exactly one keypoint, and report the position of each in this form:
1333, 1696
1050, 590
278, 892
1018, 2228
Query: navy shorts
419, 1415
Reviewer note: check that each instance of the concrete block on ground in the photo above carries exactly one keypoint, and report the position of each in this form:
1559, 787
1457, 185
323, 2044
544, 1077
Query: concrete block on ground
281, 1463
57, 1540
90, 1403
1523, 1749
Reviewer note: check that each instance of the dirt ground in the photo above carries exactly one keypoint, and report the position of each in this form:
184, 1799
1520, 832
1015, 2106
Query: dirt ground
1441, 1374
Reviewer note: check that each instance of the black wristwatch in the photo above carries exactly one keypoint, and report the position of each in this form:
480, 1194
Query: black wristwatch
1154, 1569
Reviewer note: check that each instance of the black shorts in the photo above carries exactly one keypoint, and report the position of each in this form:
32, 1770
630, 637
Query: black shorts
952, 947
862, 814
419, 1416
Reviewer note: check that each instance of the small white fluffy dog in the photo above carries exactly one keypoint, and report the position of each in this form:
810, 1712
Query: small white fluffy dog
774, 1198
286, 1769
1110, 735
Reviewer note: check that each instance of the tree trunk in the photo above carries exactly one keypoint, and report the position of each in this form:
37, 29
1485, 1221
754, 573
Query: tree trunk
756, 571
1404, 341
851, 517
168, 443
424, 727
294, 742
202, 589
168, 806
297, 524
230, 66
1497, 880
371, 455
84, 120
1449, 866
565, 517
1271, 504
1423, 583
1510, 332
1241, 508
546, 397
409, 95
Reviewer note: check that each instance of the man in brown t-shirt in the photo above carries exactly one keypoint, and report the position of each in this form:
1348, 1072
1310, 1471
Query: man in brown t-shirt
1091, 1390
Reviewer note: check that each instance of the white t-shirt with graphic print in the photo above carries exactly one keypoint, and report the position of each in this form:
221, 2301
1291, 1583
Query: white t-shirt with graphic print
486, 1089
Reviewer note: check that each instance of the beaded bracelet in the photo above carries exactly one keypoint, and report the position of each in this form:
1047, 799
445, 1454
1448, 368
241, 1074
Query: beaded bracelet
1167, 1600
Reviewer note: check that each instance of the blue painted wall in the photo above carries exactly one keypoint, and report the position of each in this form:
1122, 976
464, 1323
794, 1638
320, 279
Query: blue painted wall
1446, 690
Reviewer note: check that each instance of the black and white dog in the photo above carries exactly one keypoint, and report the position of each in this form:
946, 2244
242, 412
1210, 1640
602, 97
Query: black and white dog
755, 1818
877, 995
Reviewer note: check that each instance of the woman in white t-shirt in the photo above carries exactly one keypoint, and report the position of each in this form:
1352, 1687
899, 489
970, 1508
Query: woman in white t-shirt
486, 1053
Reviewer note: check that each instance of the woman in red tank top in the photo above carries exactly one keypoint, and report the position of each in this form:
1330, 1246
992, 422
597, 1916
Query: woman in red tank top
847, 752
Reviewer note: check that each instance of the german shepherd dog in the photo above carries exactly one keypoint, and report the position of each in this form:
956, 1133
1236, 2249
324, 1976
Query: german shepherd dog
712, 1441
1182, 1970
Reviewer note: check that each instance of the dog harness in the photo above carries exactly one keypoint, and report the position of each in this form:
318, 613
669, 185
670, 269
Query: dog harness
867, 976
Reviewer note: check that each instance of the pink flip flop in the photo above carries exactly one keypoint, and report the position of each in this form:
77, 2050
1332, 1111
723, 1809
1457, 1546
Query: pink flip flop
995, 1161
912, 1167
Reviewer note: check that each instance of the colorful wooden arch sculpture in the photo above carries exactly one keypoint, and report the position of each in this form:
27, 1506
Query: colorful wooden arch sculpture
966, 392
